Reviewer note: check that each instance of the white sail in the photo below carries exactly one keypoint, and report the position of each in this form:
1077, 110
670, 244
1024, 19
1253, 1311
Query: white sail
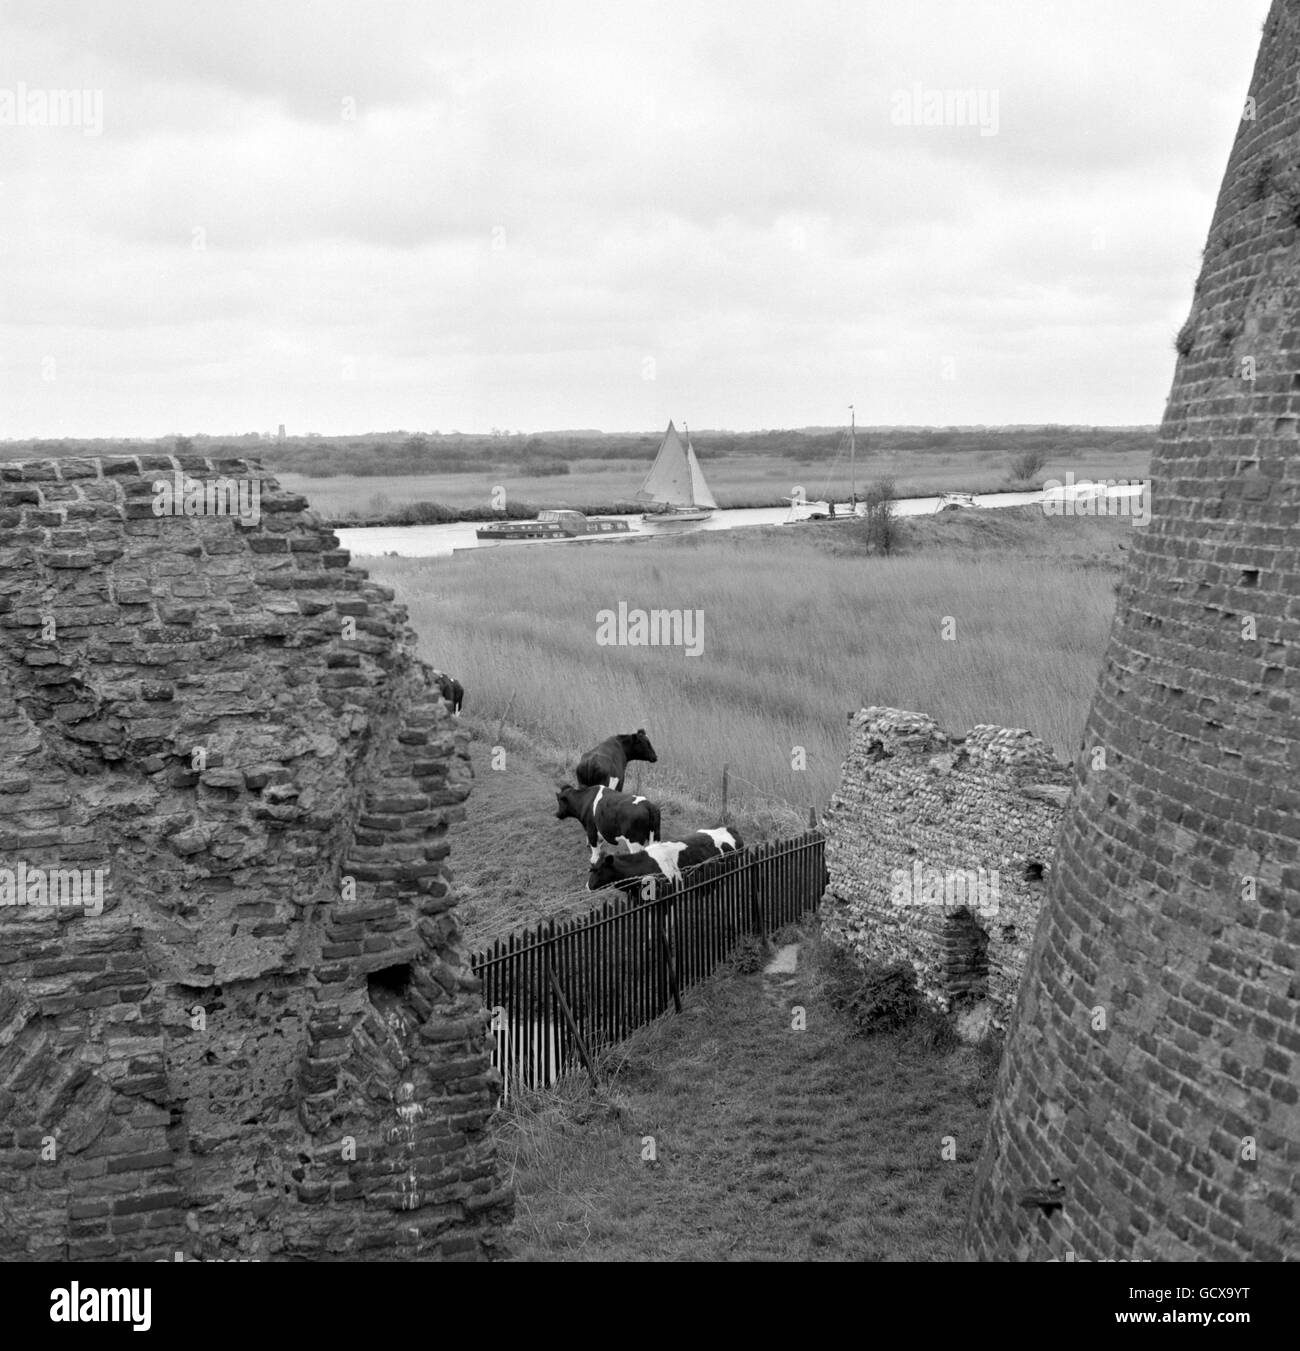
700, 494
675, 479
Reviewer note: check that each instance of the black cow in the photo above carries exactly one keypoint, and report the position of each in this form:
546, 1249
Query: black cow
451, 690
667, 859
607, 763
609, 817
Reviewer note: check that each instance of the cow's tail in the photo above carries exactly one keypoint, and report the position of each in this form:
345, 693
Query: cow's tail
654, 822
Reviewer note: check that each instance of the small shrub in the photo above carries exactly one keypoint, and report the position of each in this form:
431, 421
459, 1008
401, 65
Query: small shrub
1186, 337
877, 997
748, 955
1025, 466
423, 513
880, 530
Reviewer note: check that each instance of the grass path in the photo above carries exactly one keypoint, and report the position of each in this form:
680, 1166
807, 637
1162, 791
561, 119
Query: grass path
770, 1143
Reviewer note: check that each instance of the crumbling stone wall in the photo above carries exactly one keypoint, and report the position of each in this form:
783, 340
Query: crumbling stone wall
1152, 1066
267, 1044
917, 804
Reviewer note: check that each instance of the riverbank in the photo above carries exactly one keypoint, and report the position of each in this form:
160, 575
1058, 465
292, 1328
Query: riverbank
440, 513
608, 487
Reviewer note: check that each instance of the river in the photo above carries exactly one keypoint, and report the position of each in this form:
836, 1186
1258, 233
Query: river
428, 541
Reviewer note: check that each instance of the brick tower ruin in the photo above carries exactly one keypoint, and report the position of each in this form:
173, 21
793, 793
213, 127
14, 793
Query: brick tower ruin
1153, 1062
259, 1039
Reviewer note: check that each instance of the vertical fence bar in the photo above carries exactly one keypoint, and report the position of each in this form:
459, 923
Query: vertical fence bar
537, 993
628, 927
606, 950
624, 988
546, 1004
512, 1012
566, 1048
597, 958
643, 951
518, 1032
676, 914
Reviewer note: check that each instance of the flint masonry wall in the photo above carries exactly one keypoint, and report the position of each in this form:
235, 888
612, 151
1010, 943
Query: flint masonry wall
1153, 1064
912, 794
268, 1043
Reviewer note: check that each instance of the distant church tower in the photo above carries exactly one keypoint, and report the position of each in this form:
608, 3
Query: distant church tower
1152, 1068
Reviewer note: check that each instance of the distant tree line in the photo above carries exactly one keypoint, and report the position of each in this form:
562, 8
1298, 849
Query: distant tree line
403, 453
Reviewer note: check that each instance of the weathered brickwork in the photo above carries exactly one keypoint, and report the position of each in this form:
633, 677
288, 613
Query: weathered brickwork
917, 803
1154, 1060
268, 1044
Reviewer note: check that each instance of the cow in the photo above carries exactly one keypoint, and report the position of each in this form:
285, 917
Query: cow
667, 859
609, 818
607, 763
451, 690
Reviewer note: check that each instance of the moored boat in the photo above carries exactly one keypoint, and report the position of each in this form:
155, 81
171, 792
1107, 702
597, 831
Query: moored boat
826, 508
559, 523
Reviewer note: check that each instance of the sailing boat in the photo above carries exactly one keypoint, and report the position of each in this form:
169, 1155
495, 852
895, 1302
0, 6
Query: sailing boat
676, 483
826, 508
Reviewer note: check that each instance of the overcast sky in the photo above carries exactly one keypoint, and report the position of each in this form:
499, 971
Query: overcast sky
348, 216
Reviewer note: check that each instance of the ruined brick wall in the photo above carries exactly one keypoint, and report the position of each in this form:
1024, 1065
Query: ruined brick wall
267, 1043
1154, 1060
917, 804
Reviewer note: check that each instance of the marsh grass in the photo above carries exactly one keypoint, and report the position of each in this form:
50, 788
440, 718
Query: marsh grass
795, 636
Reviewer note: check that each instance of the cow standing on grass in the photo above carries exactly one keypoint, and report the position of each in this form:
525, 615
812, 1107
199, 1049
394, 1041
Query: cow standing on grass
610, 818
667, 859
607, 763
451, 690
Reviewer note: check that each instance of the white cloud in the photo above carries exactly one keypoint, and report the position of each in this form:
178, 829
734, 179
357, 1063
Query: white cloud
531, 200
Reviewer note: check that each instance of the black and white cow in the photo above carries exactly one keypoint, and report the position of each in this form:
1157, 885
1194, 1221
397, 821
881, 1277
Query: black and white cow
609, 818
667, 859
607, 763
451, 690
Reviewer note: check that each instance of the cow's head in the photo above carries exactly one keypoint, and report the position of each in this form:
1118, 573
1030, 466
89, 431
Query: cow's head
603, 874
636, 746
564, 802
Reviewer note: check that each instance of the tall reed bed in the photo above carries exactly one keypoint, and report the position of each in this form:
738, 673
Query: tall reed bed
793, 637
